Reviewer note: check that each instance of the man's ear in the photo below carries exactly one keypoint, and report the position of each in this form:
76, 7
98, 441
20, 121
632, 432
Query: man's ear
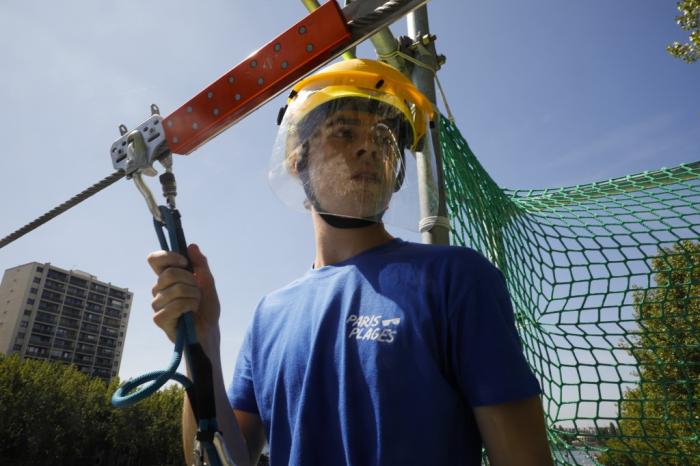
292, 161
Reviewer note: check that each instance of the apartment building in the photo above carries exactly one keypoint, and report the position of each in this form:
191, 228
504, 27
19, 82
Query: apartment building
66, 316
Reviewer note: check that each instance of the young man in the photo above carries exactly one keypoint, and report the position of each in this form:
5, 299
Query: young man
385, 352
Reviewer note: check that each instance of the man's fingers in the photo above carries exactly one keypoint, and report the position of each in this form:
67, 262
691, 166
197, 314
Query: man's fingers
167, 317
161, 260
176, 292
173, 276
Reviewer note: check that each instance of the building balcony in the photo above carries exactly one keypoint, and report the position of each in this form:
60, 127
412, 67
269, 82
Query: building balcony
56, 275
48, 306
92, 328
108, 332
70, 323
79, 303
56, 286
99, 288
37, 352
81, 359
43, 328
93, 307
117, 294
67, 334
109, 342
113, 313
52, 296
64, 344
98, 298
72, 312
40, 340
77, 292
86, 337
44, 317
105, 352
103, 373
78, 282
102, 362
84, 348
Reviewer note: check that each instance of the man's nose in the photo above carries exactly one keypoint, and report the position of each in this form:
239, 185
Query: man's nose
364, 153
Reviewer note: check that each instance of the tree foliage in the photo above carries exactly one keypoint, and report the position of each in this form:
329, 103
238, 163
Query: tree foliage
659, 419
689, 20
54, 414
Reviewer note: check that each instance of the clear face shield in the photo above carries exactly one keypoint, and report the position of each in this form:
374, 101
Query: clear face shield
347, 157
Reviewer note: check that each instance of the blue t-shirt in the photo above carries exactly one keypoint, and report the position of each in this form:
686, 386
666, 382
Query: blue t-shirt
378, 360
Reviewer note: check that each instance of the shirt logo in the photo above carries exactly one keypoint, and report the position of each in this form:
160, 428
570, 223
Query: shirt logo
372, 328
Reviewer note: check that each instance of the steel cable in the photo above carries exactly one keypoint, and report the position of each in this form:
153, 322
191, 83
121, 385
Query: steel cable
56, 211
377, 15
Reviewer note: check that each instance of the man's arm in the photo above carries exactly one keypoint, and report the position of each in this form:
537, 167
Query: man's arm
239, 436
514, 433
178, 291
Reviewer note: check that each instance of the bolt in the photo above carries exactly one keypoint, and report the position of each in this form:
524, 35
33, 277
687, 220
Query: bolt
210, 95
426, 39
215, 111
302, 29
309, 47
231, 80
278, 47
284, 65
253, 63
441, 59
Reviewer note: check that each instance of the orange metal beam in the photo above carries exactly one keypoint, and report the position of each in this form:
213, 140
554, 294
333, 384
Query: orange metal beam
261, 76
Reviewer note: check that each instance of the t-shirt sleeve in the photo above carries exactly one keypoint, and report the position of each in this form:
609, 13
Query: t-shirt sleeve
488, 360
241, 393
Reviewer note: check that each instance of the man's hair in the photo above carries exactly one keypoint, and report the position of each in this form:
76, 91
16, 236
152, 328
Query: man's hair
312, 121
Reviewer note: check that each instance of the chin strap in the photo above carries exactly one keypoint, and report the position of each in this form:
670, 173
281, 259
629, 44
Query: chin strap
346, 223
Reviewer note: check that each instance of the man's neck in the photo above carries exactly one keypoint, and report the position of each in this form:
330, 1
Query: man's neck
335, 245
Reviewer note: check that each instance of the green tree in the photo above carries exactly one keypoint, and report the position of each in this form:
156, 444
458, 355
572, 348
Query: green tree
659, 420
54, 414
689, 20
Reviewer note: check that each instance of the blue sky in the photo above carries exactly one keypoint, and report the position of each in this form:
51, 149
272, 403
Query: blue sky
548, 93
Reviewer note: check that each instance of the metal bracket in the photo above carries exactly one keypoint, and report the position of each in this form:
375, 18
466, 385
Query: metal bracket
137, 150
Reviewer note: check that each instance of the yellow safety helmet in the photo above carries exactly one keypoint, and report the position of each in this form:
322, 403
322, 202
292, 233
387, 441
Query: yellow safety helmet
364, 78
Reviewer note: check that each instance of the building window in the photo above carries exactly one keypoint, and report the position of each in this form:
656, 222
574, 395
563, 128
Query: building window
39, 269
27, 312
33, 290
37, 279
17, 347
30, 301
23, 324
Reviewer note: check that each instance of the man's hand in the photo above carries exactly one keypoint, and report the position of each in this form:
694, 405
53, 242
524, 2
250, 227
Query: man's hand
178, 291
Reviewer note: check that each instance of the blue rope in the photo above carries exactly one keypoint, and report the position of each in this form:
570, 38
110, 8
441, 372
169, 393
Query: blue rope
126, 394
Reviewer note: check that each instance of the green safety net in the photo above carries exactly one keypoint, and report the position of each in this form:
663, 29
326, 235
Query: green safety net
605, 282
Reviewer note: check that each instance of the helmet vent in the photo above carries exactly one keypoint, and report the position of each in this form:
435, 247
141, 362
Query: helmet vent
379, 84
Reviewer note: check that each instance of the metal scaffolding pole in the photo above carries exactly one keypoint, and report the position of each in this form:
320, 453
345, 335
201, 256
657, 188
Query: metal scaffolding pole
434, 222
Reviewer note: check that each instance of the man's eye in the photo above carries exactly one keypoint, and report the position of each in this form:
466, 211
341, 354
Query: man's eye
344, 133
